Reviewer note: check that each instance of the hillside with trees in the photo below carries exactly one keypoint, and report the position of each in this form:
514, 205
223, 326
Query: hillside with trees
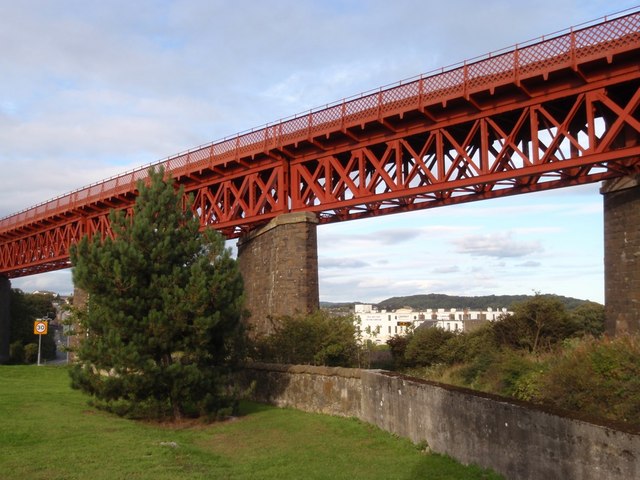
437, 300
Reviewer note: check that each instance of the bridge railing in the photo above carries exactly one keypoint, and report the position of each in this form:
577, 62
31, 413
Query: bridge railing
564, 48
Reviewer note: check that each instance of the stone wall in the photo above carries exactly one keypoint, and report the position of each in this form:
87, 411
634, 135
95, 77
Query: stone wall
519, 440
330, 390
279, 265
622, 254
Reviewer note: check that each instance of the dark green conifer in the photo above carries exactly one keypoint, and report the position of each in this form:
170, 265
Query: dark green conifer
161, 332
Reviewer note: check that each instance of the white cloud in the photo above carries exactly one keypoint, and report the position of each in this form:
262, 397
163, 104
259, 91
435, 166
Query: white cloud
58, 281
91, 89
529, 264
445, 269
342, 263
498, 245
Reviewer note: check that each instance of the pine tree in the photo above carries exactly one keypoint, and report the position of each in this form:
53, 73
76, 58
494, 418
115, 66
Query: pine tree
161, 332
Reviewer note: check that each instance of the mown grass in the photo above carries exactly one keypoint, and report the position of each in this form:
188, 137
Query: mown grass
48, 432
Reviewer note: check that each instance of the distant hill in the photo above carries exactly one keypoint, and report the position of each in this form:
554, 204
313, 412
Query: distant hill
338, 305
436, 300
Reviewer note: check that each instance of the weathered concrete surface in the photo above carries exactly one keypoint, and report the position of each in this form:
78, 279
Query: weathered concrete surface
622, 254
334, 391
5, 319
279, 266
519, 440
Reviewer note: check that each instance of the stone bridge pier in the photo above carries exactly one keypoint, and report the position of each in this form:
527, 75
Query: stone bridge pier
622, 255
279, 265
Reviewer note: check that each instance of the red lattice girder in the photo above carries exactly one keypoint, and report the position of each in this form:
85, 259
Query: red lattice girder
478, 156
231, 201
558, 112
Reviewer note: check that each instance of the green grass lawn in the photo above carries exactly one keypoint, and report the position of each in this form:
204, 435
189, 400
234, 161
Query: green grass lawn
47, 431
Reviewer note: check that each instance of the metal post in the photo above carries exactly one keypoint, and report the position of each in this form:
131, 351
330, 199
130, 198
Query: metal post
39, 347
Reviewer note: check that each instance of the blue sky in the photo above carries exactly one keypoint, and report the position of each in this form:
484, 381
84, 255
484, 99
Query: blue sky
91, 89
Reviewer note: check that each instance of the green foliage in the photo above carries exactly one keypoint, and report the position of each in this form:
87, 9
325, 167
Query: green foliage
25, 309
465, 347
476, 368
597, 377
537, 323
315, 339
16, 352
427, 346
430, 346
31, 353
437, 300
541, 353
161, 332
588, 319
510, 375
397, 346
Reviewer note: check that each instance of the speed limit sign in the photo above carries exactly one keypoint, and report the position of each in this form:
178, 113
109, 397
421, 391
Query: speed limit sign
40, 327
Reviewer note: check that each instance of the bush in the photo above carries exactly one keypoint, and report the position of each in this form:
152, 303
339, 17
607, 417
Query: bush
465, 347
427, 346
314, 339
588, 319
508, 372
16, 352
515, 375
536, 324
31, 353
397, 346
597, 377
470, 372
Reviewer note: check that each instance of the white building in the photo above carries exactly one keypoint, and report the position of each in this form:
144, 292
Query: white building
380, 325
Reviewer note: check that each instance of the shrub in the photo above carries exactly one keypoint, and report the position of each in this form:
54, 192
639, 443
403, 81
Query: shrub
508, 372
397, 346
465, 347
597, 377
588, 319
469, 373
314, 339
537, 323
31, 353
516, 375
16, 352
427, 346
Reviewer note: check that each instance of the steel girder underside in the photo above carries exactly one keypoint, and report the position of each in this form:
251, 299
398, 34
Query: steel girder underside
558, 113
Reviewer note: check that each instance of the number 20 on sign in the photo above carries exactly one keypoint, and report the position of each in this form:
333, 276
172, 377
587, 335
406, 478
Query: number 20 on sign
40, 327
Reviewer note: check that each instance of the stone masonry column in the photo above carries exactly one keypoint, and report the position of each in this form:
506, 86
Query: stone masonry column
622, 255
5, 318
279, 265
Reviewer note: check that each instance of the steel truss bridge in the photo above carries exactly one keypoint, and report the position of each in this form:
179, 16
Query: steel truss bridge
555, 112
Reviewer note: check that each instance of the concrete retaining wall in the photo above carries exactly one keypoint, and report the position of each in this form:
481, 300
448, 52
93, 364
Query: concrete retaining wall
519, 440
